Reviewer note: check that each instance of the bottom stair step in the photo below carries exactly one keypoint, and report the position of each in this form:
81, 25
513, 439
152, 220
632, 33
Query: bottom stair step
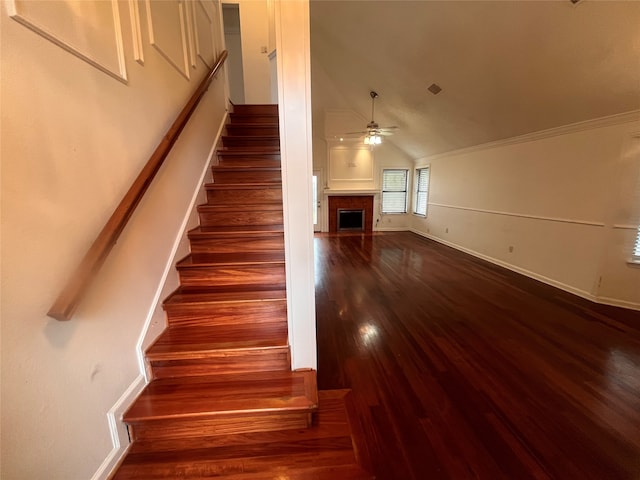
223, 404
325, 451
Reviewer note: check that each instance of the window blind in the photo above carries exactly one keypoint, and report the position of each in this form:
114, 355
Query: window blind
636, 250
422, 191
394, 191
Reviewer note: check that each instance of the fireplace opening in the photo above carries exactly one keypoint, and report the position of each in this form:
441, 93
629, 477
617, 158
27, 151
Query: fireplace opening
350, 219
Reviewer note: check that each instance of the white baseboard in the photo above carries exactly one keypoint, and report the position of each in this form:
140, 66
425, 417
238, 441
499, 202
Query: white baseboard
119, 434
549, 281
614, 302
390, 229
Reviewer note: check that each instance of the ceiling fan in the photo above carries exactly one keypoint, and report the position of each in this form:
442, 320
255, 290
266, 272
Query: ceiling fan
374, 132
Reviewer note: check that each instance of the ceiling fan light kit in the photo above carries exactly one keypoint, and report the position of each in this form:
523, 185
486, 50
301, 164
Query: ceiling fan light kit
374, 132
372, 139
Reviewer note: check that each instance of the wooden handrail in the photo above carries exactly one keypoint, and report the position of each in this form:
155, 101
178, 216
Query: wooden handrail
68, 300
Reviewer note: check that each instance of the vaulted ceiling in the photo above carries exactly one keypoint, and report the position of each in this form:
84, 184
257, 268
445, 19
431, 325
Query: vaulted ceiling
506, 68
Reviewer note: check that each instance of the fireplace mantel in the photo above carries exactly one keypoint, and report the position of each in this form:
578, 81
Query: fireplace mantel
336, 192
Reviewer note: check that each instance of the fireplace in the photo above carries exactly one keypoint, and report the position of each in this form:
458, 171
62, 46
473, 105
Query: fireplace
350, 219
357, 211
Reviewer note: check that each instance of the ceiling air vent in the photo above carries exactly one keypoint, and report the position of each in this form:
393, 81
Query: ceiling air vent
435, 89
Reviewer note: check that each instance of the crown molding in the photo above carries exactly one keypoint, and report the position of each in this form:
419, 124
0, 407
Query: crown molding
617, 119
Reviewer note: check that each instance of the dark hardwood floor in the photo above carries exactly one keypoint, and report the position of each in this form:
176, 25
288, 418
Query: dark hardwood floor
461, 369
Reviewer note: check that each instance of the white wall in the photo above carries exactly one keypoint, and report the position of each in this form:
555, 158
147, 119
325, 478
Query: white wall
254, 30
73, 139
563, 199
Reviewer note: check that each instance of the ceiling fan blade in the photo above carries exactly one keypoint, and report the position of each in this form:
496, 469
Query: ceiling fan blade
364, 132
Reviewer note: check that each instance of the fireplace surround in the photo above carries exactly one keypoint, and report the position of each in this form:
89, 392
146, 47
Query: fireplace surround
351, 203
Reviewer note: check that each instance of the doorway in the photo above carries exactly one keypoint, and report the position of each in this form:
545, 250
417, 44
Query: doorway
315, 182
233, 41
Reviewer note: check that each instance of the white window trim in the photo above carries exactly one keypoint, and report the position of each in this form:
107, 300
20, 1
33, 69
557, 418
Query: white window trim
635, 253
415, 191
406, 191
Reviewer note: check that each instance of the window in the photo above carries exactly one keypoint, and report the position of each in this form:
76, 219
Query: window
422, 191
636, 250
394, 191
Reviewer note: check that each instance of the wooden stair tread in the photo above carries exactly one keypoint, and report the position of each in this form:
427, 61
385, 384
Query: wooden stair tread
199, 465
233, 229
256, 108
253, 124
242, 185
331, 420
240, 151
265, 206
191, 342
323, 451
250, 230
224, 394
224, 295
240, 258
253, 137
239, 168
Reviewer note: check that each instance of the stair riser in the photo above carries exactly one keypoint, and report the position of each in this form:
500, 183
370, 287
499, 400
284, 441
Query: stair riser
233, 218
240, 119
225, 362
249, 161
209, 276
240, 130
264, 109
251, 143
221, 425
248, 157
239, 196
257, 176
246, 244
227, 313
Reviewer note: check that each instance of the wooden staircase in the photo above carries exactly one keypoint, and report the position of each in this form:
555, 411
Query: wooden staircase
221, 370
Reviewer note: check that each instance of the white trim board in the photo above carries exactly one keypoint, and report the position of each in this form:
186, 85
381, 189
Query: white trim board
549, 281
136, 32
119, 434
591, 223
627, 117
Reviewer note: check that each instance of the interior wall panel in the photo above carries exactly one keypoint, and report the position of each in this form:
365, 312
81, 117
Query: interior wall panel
89, 30
204, 33
168, 32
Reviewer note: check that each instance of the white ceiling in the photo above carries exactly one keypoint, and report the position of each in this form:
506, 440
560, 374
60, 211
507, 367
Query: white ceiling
506, 67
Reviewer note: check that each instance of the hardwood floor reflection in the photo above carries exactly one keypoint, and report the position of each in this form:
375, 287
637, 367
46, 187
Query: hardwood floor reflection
461, 369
